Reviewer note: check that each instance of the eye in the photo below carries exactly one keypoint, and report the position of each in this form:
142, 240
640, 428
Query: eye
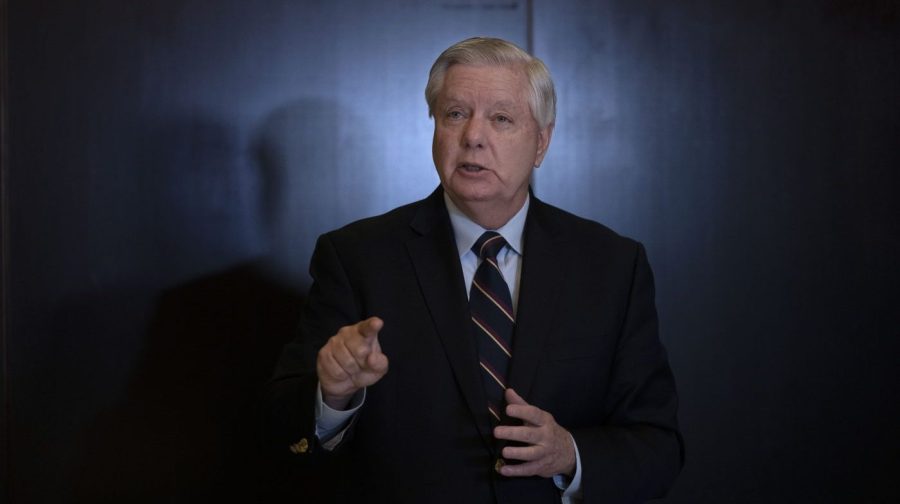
454, 114
502, 119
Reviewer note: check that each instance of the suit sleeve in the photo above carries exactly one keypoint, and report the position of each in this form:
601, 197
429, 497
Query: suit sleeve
637, 452
289, 429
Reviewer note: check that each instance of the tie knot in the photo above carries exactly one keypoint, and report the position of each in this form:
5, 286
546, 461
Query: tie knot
488, 245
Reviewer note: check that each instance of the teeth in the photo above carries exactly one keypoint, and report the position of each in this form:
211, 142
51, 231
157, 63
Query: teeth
472, 168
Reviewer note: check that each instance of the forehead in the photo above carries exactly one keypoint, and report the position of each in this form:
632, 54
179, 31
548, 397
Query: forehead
485, 83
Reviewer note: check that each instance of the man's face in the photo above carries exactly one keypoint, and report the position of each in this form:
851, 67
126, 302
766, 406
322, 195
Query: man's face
486, 141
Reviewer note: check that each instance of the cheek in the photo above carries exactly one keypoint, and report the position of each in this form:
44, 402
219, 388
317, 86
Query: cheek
445, 144
526, 153
443, 158
437, 144
519, 159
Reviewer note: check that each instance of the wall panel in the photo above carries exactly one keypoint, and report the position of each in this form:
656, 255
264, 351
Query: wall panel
749, 145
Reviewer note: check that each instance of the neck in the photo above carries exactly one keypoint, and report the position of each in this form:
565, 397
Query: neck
490, 215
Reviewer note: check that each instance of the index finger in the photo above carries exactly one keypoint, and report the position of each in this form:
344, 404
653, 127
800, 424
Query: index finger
369, 328
514, 398
517, 407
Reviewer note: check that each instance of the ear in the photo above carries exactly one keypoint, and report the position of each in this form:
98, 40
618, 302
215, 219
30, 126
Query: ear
543, 144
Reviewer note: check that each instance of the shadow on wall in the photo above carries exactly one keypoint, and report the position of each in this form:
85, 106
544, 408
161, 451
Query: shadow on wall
187, 428
315, 173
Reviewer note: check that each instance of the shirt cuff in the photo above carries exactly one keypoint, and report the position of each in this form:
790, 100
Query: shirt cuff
571, 488
331, 424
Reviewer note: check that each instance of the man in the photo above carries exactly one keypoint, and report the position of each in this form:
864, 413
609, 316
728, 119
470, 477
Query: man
480, 345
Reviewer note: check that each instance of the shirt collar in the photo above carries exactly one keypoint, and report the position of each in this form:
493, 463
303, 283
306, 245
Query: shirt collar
467, 232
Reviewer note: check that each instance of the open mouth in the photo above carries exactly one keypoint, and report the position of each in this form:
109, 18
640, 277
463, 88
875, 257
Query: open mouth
471, 167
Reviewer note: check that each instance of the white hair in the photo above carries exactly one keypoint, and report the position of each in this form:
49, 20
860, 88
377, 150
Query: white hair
497, 52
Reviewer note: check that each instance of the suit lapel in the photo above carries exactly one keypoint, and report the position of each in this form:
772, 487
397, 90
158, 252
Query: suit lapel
542, 274
434, 257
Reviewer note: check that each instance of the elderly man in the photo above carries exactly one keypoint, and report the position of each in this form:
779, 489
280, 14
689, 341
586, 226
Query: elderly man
480, 345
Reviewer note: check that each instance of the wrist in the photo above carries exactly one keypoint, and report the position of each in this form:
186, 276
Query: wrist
337, 402
569, 471
571, 458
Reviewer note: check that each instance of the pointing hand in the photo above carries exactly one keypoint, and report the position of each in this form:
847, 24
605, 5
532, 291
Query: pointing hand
349, 361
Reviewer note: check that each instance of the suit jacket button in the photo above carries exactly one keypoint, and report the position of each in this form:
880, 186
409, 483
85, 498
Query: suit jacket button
301, 446
498, 464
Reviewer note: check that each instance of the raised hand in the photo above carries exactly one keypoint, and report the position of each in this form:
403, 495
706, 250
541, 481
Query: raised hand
349, 361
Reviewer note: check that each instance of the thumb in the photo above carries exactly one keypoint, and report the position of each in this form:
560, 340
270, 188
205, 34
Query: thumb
377, 361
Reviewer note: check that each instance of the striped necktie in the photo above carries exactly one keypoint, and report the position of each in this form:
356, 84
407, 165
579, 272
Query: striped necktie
492, 318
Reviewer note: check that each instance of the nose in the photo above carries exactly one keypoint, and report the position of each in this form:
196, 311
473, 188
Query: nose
473, 135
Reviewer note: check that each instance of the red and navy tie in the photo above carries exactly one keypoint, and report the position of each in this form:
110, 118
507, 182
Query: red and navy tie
492, 317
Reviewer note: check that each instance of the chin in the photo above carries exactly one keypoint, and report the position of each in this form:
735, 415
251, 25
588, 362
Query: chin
462, 195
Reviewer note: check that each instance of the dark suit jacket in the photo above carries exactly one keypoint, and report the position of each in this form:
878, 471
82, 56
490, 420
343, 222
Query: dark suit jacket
585, 349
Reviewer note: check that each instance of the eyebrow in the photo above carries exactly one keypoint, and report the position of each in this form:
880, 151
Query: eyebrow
507, 104
504, 104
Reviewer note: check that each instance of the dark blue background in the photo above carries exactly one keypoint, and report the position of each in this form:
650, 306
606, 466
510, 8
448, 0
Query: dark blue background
170, 163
